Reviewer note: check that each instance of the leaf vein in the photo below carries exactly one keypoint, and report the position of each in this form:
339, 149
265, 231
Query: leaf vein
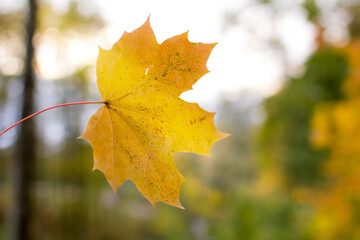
112, 141
137, 48
138, 138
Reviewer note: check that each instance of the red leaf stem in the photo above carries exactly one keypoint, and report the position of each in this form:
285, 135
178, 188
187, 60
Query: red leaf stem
46, 109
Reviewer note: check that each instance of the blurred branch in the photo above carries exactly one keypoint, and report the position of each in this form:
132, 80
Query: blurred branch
24, 164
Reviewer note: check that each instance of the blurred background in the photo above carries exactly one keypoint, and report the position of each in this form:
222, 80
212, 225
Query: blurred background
284, 81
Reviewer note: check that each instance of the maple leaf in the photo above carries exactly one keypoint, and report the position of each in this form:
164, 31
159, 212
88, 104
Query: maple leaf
144, 122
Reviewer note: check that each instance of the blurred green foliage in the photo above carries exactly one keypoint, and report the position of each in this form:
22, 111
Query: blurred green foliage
286, 131
70, 20
312, 9
354, 27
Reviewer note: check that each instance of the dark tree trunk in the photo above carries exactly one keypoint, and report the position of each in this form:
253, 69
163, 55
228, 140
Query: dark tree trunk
24, 161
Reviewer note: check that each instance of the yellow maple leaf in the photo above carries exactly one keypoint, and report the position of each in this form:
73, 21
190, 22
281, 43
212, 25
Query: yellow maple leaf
144, 122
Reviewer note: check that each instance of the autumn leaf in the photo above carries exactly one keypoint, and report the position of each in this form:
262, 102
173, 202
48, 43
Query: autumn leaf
144, 122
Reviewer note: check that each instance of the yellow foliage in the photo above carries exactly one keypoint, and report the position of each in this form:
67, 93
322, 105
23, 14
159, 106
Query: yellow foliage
352, 85
336, 126
322, 132
144, 122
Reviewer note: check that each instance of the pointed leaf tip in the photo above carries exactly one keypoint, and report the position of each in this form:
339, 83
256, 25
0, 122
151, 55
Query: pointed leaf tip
148, 19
